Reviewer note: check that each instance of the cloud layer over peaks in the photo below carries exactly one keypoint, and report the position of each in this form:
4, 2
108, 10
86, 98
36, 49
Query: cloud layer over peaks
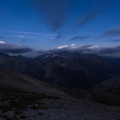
90, 49
13, 48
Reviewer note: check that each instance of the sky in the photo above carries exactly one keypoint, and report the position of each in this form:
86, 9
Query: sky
27, 25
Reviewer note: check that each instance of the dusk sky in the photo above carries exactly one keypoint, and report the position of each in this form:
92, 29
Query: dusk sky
46, 24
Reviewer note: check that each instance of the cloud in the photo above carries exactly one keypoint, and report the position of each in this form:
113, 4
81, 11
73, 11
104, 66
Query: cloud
90, 49
21, 36
63, 47
14, 48
31, 54
112, 32
77, 47
16, 32
31, 35
2, 42
17, 36
80, 37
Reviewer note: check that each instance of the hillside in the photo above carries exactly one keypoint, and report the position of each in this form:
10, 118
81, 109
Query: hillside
17, 80
110, 86
23, 97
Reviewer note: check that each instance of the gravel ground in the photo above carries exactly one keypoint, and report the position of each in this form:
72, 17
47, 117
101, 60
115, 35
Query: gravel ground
69, 110
65, 110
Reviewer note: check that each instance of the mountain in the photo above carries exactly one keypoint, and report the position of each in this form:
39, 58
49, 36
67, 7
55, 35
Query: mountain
107, 92
71, 69
68, 69
23, 82
110, 86
115, 61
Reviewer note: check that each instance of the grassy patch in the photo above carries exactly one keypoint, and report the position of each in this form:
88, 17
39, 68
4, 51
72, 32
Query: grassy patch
18, 100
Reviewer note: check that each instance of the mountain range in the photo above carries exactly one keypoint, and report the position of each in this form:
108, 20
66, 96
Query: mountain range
67, 69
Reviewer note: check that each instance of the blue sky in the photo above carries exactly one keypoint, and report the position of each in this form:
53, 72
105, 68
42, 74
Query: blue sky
46, 24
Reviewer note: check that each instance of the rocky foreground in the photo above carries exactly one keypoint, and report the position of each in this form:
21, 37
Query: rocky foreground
66, 110
16, 104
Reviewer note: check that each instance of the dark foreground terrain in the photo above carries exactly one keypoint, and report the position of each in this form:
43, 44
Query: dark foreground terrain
31, 99
16, 104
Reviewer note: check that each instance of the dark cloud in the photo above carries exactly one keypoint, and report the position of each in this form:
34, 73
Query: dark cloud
109, 51
112, 32
57, 12
80, 37
14, 48
52, 11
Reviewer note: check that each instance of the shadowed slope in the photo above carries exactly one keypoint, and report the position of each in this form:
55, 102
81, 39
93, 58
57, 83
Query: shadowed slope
30, 84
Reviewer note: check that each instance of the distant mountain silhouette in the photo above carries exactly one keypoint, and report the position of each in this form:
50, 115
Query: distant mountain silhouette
68, 69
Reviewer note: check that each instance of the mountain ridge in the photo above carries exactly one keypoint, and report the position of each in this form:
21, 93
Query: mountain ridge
68, 69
